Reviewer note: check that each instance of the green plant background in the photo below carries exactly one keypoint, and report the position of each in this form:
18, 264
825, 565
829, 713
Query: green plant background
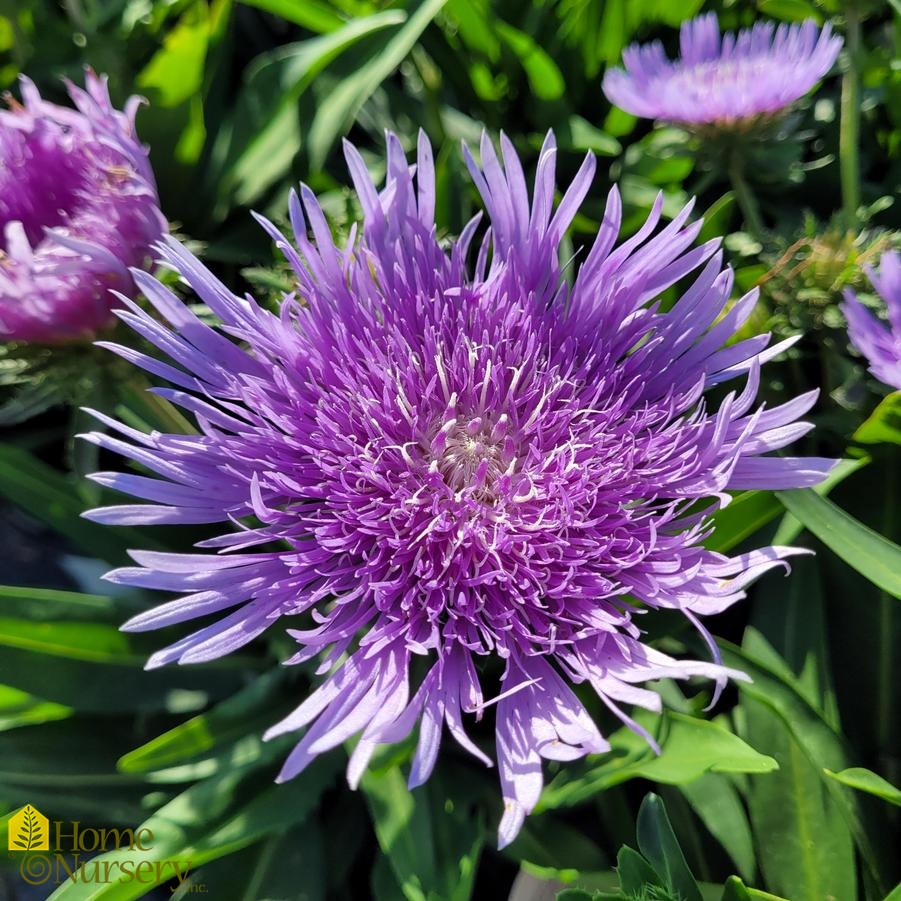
778, 786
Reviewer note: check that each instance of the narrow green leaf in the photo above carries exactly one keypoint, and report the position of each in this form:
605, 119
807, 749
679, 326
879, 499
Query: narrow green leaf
717, 217
717, 803
311, 14
95, 642
813, 738
335, 117
867, 781
473, 18
873, 556
53, 498
746, 513
249, 711
790, 528
210, 820
657, 842
19, 708
432, 844
266, 132
42, 604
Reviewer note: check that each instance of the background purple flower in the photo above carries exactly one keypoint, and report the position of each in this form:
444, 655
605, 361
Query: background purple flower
879, 343
78, 207
477, 478
724, 80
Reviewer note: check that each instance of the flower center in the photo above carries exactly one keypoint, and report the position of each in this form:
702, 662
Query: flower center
472, 452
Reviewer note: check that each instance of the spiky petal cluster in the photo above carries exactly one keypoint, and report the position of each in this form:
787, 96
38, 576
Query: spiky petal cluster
725, 81
78, 207
879, 343
456, 464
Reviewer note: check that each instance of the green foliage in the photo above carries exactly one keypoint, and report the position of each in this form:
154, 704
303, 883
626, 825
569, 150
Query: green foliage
791, 783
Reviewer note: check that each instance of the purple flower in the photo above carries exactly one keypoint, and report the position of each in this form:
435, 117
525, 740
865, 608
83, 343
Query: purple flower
727, 81
880, 344
477, 478
78, 207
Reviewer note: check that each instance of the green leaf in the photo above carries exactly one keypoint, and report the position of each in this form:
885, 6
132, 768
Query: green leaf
810, 739
690, 747
790, 10
93, 667
717, 218
18, 708
550, 848
717, 803
867, 781
752, 510
95, 642
658, 844
288, 866
174, 78
266, 133
746, 513
545, 78
212, 819
335, 118
473, 19
248, 712
311, 14
53, 498
874, 557
579, 134
432, 845
884, 424
634, 872
43, 604
790, 528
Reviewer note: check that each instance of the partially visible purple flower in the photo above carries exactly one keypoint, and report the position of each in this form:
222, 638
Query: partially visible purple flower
727, 81
879, 343
472, 479
78, 207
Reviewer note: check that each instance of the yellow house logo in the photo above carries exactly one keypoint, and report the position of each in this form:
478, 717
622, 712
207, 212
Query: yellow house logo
29, 830
114, 855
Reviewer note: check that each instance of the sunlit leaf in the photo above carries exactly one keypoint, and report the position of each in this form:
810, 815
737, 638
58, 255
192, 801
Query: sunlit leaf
884, 423
867, 781
334, 118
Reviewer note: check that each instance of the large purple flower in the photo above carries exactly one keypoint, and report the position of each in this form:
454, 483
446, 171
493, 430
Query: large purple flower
78, 207
880, 344
727, 81
459, 464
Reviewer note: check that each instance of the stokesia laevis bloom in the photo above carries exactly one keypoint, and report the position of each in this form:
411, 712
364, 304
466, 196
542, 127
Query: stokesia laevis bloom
879, 343
459, 463
78, 207
730, 81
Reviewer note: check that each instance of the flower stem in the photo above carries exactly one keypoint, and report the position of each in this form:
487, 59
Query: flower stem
745, 197
849, 135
